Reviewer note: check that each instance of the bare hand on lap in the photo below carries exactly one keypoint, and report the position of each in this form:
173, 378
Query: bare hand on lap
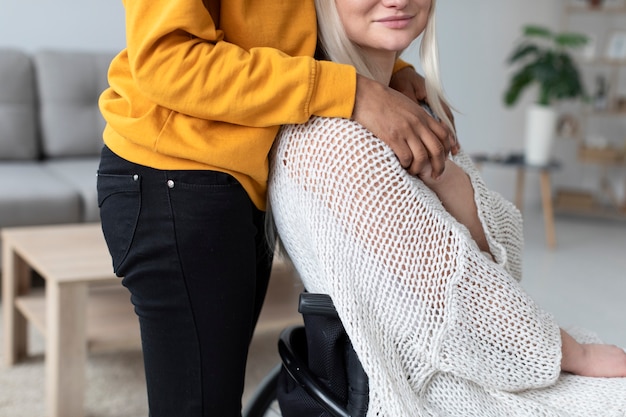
602, 361
594, 360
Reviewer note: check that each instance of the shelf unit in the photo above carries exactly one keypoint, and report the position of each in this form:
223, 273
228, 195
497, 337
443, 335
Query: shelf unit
606, 153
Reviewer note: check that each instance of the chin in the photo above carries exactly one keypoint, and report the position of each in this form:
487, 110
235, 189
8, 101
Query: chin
396, 46
399, 43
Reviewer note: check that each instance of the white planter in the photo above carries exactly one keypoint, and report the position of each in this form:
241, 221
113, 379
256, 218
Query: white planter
539, 135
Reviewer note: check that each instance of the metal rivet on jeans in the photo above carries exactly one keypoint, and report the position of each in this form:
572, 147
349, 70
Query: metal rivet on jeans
170, 183
135, 177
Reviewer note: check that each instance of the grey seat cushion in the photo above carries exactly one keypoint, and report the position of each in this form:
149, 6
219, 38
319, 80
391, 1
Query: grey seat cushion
81, 174
30, 195
70, 84
18, 105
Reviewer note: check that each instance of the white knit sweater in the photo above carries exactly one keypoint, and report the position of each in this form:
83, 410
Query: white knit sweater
441, 330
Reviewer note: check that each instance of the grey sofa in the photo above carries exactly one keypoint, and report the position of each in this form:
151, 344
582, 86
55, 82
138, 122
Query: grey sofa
50, 135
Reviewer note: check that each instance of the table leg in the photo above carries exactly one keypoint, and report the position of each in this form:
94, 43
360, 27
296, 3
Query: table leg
66, 348
519, 188
548, 211
16, 276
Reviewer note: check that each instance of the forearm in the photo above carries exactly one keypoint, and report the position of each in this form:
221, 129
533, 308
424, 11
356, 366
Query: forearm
456, 193
572, 353
181, 60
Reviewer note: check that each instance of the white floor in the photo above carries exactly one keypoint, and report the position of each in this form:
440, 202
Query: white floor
583, 281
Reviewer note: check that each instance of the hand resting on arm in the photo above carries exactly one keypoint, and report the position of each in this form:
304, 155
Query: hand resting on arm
417, 139
413, 85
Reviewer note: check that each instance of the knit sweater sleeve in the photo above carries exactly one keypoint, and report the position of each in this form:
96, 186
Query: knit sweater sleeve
501, 220
412, 288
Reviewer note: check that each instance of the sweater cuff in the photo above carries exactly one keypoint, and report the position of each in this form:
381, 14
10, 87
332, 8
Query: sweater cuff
334, 90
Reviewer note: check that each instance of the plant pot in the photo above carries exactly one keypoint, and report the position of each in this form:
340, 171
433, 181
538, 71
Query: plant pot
539, 136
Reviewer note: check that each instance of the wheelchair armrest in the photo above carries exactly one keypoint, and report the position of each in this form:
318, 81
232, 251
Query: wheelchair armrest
317, 304
300, 373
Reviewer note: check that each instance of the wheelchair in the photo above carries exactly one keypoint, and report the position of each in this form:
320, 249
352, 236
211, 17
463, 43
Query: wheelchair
320, 374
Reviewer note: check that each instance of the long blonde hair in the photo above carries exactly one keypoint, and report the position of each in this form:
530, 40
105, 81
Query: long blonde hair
337, 47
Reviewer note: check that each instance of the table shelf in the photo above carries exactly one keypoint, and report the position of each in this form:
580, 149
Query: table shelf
110, 319
597, 211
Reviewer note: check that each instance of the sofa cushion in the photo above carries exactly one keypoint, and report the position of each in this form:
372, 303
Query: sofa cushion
18, 117
81, 174
70, 84
30, 195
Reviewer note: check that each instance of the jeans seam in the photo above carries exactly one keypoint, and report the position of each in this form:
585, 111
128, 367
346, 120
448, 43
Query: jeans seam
184, 278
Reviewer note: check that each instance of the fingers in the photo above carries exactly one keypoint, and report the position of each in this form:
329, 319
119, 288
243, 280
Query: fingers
408, 82
445, 136
429, 148
438, 141
454, 144
415, 137
420, 160
420, 141
405, 153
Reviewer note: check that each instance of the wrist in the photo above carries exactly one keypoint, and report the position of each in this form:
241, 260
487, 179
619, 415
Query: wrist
367, 91
573, 354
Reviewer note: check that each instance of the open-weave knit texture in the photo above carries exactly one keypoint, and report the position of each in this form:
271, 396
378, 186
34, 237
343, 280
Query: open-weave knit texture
440, 328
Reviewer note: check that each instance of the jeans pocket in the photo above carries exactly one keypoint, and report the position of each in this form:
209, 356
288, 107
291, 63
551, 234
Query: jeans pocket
119, 199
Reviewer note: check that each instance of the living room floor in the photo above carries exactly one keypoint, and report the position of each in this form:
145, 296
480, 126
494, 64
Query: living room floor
583, 281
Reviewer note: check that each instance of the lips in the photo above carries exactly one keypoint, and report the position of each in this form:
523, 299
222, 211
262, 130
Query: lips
395, 22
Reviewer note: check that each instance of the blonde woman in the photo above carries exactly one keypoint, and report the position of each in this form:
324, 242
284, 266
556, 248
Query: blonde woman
424, 272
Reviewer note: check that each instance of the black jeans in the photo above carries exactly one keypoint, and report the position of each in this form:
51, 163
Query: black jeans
191, 248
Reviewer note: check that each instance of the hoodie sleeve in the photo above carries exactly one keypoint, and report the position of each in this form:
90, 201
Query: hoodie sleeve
181, 60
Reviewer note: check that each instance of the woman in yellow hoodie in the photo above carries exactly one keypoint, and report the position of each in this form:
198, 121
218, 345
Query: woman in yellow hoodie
194, 104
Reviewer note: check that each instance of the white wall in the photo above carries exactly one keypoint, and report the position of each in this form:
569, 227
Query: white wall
67, 24
475, 36
475, 39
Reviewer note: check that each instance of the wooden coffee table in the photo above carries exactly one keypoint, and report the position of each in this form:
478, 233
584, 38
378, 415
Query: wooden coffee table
82, 307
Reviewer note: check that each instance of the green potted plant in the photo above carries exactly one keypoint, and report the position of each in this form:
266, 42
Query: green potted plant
542, 59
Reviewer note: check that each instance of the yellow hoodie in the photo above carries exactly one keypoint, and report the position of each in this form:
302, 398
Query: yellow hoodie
206, 85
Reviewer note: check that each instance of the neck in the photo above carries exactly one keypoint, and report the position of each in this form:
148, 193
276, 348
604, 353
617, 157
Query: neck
383, 62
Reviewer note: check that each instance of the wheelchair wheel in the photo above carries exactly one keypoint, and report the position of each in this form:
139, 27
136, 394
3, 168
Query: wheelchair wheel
263, 402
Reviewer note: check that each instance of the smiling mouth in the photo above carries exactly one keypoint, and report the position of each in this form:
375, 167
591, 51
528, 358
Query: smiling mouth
394, 18
395, 22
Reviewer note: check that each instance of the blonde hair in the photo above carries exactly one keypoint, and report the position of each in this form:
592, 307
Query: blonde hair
337, 47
